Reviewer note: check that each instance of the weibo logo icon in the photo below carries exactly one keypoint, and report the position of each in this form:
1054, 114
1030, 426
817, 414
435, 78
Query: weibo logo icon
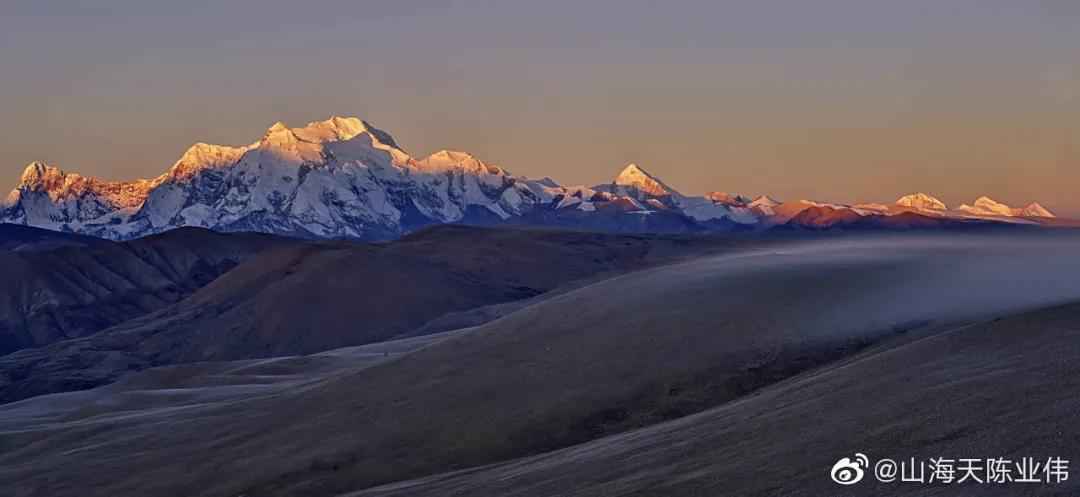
849, 471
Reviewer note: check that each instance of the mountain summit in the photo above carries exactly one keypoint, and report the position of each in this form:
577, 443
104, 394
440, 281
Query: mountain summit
340, 178
1034, 209
987, 207
345, 178
921, 201
634, 176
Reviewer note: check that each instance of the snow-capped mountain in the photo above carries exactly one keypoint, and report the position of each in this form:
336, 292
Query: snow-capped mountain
339, 178
764, 205
988, 207
921, 202
335, 178
917, 210
47, 194
635, 181
637, 184
1034, 209
344, 178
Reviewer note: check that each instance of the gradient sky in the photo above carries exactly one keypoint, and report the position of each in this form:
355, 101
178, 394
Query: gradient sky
841, 100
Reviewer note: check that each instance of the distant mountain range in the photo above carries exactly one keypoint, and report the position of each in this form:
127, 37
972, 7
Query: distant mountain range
343, 178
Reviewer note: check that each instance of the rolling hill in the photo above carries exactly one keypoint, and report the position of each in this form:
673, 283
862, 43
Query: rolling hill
747, 337
998, 389
302, 298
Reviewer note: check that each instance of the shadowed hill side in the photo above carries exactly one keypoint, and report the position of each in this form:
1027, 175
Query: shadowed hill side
308, 298
74, 291
21, 238
999, 389
620, 354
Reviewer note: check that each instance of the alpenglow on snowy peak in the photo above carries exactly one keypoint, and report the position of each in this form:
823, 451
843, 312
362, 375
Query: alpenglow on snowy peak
1035, 209
338, 178
344, 178
633, 176
921, 201
987, 207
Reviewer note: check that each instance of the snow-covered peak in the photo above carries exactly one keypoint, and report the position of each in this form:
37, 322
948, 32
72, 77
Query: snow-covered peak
728, 199
278, 135
445, 160
201, 156
342, 177
39, 174
987, 202
764, 205
921, 201
333, 129
986, 206
452, 155
634, 176
346, 138
58, 185
815, 203
990, 205
764, 201
1034, 209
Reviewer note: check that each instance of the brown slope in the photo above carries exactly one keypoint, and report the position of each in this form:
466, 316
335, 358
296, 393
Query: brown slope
823, 217
87, 285
619, 354
826, 218
312, 297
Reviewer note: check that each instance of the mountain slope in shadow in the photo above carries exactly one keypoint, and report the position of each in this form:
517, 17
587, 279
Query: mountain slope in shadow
308, 297
70, 286
624, 353
16, 237
1000, 389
